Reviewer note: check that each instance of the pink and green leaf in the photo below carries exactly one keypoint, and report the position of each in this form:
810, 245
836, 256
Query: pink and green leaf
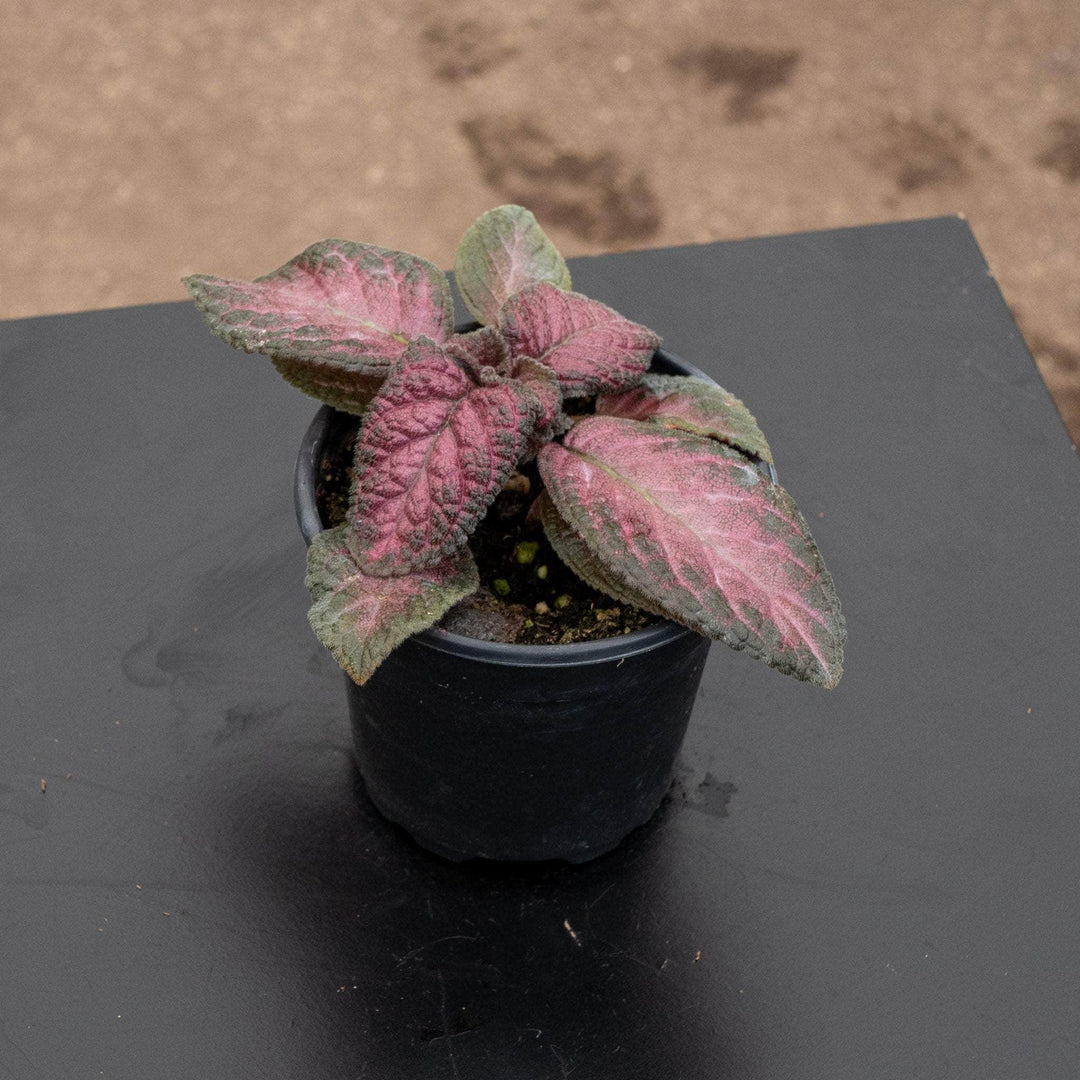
693, 405
485, 353
541, 381
344, 387
334, 319
689, 524
579, 558
436, 446
590, 347
501, 253
361, 618
479, 349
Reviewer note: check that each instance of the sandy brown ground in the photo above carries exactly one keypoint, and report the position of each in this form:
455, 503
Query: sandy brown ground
141, 140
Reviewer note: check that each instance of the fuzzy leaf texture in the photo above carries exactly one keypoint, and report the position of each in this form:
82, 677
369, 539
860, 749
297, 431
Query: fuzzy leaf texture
541, 380
334, 319
689, 524
576, 554
435, 447
693, 405
479, 349
590, 347
501, 253
487, 348
361, 619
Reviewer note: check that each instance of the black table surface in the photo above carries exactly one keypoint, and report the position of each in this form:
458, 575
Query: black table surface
878, 882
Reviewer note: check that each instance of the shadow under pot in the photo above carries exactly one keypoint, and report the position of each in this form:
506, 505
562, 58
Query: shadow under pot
488, 750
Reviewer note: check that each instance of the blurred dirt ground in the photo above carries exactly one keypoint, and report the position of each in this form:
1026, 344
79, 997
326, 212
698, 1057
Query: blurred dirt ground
141, 141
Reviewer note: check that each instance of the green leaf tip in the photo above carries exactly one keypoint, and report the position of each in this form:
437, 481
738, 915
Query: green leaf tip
361, 619
501, 253
690, 404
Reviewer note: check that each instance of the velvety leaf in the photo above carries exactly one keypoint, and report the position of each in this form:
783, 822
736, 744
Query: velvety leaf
693, 405
689, 524
589, 346
501, 253
361, 618
342, 386
479, 349
335, 318
485, 350
573, 551
541, 381
435, 447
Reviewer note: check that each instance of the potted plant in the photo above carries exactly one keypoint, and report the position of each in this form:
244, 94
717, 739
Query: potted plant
649, 482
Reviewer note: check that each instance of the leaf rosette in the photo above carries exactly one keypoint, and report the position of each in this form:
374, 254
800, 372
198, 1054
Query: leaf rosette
656, 499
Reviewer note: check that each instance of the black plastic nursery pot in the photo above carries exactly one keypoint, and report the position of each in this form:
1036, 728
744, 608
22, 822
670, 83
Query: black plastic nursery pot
517, 752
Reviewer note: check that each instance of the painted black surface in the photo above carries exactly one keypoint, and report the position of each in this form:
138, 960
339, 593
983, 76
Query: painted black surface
881, 881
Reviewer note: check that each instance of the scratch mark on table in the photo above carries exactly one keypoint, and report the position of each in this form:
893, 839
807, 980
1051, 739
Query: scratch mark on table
438, 941
446, 1025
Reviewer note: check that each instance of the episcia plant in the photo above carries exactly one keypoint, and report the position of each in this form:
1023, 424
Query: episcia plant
656, 498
